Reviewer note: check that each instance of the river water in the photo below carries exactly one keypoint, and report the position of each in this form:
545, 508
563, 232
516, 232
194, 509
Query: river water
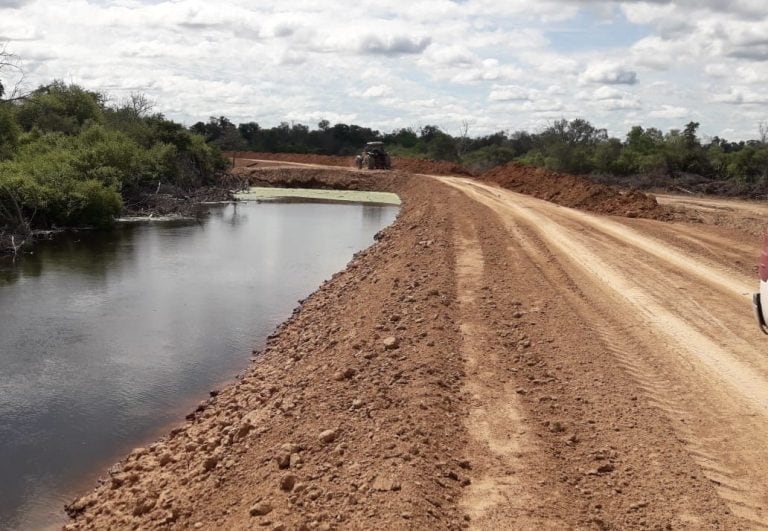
107, 338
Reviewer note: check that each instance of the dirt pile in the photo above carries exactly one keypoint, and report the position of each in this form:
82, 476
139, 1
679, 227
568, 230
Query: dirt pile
575, 192
315, 178
430, 167
411, 165
241, 158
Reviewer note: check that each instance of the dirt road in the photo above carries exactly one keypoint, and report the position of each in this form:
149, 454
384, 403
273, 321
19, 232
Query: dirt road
671, 304
495, 361
746, 216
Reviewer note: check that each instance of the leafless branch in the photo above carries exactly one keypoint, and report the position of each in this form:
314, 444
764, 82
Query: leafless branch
461, 145
141, 104
10, 66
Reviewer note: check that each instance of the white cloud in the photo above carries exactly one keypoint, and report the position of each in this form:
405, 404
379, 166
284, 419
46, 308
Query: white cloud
551, 63
453, 54
555, 90
314, 117
620, 104
608, 93
741, 96
12, 4
609, 98
669, 111
438, 61
392, 44
609, 73
376, 91
509, 93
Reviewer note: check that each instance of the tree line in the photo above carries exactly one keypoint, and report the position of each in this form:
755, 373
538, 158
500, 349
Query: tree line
643, 157
73, 157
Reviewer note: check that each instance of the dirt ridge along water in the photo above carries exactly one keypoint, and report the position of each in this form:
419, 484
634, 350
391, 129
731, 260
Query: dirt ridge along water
366, 410
349, 418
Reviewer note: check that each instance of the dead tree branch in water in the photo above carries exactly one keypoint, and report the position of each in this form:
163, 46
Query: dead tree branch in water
14, 222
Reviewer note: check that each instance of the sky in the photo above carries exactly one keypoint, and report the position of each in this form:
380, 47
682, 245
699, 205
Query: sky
488, 65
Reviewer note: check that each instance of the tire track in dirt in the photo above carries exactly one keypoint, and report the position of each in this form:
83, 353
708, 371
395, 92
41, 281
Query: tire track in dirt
746, 216
730, 249
498, 496
656, 388
578, 410
618, 340
706, 272
630, 278
669, 345
714, 203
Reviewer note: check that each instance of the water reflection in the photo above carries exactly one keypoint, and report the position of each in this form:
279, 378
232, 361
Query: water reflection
90, 252
107, 337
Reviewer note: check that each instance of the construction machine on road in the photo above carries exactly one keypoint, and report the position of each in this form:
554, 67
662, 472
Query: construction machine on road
373, 157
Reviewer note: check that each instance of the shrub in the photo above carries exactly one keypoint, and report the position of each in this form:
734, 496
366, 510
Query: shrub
60, 107
9, 132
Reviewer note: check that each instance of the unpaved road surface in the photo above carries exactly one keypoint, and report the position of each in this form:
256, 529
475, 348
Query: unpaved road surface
747, 216
494, 361
669, 305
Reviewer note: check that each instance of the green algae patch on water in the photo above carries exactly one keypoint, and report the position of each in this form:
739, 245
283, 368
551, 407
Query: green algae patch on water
294, 194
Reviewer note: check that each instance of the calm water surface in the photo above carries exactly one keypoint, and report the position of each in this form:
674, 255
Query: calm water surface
106, 338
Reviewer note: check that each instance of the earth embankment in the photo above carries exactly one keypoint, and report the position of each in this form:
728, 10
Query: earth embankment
493, 361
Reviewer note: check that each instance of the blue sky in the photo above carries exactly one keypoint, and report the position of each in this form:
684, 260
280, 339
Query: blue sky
388, 64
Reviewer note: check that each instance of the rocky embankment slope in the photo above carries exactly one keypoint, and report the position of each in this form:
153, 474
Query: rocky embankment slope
350, 417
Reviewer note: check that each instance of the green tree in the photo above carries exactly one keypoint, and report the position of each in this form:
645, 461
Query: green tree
60, 107
9, 132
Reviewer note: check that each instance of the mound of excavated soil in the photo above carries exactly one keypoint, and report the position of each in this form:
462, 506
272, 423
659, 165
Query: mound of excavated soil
410, 165
433, 167
323, 160
576, 192
313, 178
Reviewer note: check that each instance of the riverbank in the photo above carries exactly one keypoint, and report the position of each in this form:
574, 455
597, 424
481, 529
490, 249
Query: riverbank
441, 381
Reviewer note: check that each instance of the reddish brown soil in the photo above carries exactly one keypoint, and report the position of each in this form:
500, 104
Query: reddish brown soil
564, 189
410, 165
576, 192
462, 372
429, 167
335, 425
314, 178
241, 158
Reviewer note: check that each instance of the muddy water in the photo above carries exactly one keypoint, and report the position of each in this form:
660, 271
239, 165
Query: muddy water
107, 338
